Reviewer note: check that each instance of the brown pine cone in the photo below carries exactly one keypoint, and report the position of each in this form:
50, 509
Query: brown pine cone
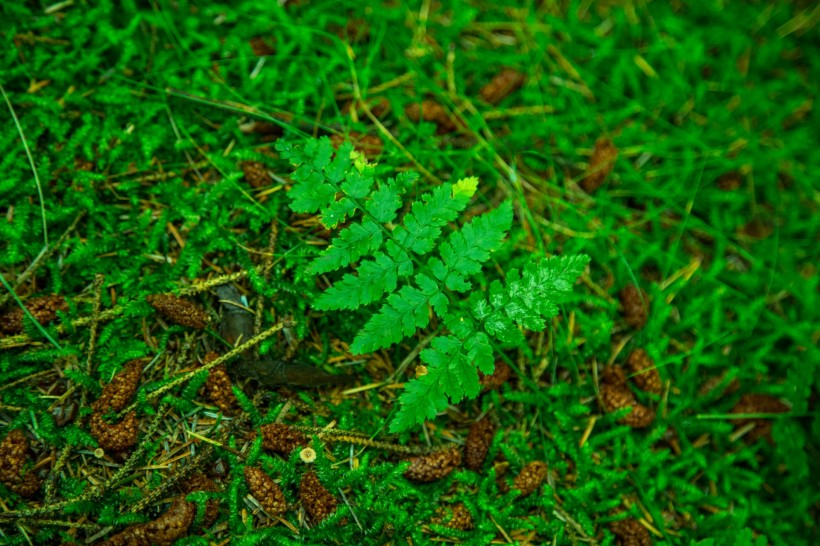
432, 467
616, 397
115, 437
635, 305
643, 370
256, 174
282, 439
116, 395
260, 47
478, 443
758, 403
430, 110
613, 375
630, 532
499, 376
13, 456
43, 309
200, 482
218, 387
461, 518
179, 311
266, 491
600, 165
530, 478
370, 145
163, 531
503, 84
729, 181
316, 499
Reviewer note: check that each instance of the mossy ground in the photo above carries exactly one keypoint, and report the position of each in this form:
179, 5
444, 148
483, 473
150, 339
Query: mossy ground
139, 116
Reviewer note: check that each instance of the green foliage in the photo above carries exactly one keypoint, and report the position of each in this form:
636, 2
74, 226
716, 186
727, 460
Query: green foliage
344, 188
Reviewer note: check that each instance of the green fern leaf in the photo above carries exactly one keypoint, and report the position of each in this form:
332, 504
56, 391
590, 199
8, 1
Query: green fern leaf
375, 277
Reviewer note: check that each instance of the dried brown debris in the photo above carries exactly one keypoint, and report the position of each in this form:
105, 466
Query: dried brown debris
256, 174
478, 443
116, 395
730, 181
434, 466
115, 436
370, 145
531, 477
179, 311
317, 501
43, 309
643, 371
758, 403
200, 482
499, 376
600, 165
460, 518
630, 532
266, 491
163, 531
282, 439
431, 111
503, 84
13, 457
615, 397
261, 47
635, 306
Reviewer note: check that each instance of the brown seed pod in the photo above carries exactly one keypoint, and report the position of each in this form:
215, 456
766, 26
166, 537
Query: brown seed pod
115, 437
256, 174
179, 311
200, 482
758, 403
613, 375
635, 306
503, 84
163, 531
219, 389
600, 165
643, 371
432, 467
116, 395
530, 478
431, 111
282, 439
617, 397
316, 499
13, 457
478, 443
630, 532
460, 518
499, 376
43, 309
370, 145
266, 491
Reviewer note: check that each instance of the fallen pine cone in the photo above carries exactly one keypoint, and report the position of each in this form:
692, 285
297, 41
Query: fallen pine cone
600, 165
460, 518
255, 173
499, 376
630, 532
432, 467
43, 309
643, 370
266, 491
219, 389
635, 304
164, 530
116, 395
317, 501
179, 311
530, 478
282, 439
13, 457
115, 437
613, 375
370, 145
758, 403
478, 443
431, 111
503, 84
200, 482
617, 397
